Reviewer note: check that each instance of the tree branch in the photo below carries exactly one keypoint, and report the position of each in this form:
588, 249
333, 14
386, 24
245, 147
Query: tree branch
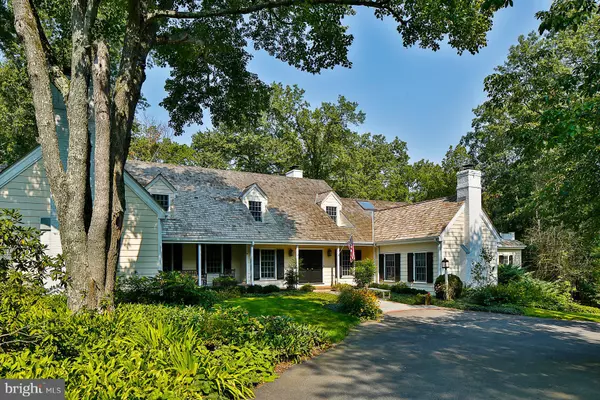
382, 5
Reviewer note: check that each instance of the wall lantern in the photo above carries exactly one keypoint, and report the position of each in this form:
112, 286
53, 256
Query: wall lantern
329, 253
290, 252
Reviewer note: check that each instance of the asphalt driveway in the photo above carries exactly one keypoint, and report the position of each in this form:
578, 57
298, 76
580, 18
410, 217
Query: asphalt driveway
442, 354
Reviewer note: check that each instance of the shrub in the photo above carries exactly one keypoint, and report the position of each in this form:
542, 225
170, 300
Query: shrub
270, 289
339, 287
166, 287
254, 289
364, 271
224, 281
402, 288
455, 287
509, 273
423, 299
384, 286
292, 277
361, 303
307, 288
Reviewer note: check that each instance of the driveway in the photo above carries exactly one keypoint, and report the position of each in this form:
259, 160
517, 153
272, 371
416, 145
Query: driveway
443, 354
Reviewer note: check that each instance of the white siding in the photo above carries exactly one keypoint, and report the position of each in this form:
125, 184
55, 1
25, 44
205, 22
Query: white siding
490, 243
159, 187
516, 253
451, 247
404, 249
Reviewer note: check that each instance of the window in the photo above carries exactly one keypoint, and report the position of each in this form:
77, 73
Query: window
332, 212
214, 259
256, 210
506, 260
162, 200
420, 265
390, 267
267, 264
345, 263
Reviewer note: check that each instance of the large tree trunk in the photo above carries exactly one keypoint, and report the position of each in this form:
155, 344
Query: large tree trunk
91, 221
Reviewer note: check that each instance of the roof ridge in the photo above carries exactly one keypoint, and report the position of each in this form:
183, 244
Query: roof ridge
449, 198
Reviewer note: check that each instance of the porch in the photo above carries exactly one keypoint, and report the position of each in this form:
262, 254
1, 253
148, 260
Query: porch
262, 264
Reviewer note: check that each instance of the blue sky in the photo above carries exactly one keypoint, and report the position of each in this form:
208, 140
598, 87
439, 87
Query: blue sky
423, 97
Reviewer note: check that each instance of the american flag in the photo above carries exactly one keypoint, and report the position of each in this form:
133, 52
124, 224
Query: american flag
351, 248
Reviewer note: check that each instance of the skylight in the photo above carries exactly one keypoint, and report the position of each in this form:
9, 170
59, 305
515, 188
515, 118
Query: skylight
366, 205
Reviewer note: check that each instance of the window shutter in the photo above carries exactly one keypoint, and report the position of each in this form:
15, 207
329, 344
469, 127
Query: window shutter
280, 264
411, 267
341, 258
227, 259
429, 267
202, 259
381, 268
358, 255
397, 261
167, 249
256, 264
177, 257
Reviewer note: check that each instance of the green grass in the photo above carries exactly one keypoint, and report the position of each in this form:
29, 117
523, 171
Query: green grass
306, 308
570, 316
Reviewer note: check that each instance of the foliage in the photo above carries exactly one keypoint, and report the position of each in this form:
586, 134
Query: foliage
313, 309
338, 287
364, 271
224, 281
270, 289
509, 273
307, 288
403, 288
384, 286
361, 303
292, 276
482, 270
455, 287
165, 287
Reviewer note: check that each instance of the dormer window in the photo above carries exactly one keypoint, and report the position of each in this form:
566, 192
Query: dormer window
332, 212
162, 200
255, 208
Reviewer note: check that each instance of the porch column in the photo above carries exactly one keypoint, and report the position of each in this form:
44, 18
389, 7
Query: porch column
198, 265
252, 264
337, 264
298, 262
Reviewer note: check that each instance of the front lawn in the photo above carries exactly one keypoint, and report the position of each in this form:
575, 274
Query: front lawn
305, 308
569, 316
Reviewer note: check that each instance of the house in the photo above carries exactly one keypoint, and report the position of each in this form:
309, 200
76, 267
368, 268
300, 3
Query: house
510, 249
208, 223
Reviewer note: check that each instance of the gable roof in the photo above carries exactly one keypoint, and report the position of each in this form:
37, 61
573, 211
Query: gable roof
208, 207
511, 244
160, 178
414, 221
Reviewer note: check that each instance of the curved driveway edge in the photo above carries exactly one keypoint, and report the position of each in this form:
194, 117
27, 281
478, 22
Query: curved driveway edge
446, 354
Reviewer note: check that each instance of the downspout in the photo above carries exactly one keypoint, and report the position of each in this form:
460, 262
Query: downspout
440, 253
252, 263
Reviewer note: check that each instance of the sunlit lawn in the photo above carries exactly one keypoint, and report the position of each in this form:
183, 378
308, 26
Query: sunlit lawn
306, 308
570, 316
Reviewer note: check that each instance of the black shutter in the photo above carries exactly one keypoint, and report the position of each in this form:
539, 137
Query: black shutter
177, 257
256, 264
410, 266
167, 255
397, 260
341, 258
227, 259
381, 267
358, 255
202, 259
429, 267
280, 264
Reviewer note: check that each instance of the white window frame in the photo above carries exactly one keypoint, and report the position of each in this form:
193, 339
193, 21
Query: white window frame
261, 209
334, 218
206, 259
261, 267
345, 251
414, 266
385, 277
168, 200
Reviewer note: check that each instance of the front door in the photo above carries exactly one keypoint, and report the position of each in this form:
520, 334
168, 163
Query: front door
311, 266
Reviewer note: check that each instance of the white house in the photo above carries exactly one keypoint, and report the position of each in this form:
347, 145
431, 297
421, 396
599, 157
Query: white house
209, 222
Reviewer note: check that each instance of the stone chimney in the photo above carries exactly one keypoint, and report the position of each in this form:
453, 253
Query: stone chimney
468, 189
295, 173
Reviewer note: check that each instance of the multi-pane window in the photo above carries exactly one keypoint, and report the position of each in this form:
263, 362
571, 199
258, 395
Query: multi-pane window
506, 260
255, 208
420, 267
267, 264
214, 259
345, 263
332, 212
390, 267
162, 200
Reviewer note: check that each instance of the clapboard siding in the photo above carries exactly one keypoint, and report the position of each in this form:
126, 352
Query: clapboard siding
404, 249
452, 250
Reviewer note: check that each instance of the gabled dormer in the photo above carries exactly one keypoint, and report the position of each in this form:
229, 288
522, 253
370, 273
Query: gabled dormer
331, 203
162, 191
256, 200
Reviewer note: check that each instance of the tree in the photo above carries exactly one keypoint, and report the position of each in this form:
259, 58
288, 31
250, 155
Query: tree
103, 46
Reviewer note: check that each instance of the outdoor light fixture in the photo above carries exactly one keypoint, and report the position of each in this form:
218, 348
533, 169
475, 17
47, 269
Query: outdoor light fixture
328, 252
445, 266
290, 252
